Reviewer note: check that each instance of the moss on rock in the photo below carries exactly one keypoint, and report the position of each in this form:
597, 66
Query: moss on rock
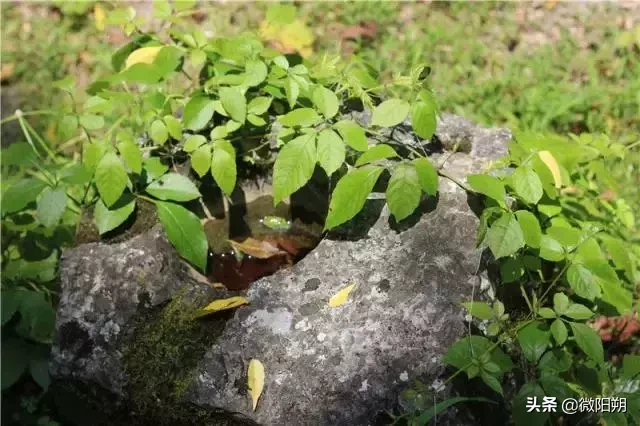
161, 356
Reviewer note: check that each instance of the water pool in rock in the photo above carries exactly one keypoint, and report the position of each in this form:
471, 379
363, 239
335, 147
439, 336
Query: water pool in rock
244, 248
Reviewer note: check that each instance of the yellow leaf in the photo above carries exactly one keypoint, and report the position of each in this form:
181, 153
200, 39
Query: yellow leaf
340, 297
144, 55
257, 248
255, 381
549, 160
221, 305
100, 17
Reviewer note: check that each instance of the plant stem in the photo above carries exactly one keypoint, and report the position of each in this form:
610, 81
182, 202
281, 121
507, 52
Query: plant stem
454, 180
144, 197
17, 116
526, 298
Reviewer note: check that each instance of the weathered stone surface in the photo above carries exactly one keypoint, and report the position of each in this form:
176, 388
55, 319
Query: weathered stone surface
324, 366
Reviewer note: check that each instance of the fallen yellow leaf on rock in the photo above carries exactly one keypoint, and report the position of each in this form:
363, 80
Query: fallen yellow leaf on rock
221, 305
550, 161
255, 380
340, 297
144, 55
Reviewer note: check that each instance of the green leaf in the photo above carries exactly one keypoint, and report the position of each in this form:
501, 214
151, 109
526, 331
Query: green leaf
326, 101
109, 219
403, 192
234, 102
521, 415
530, 228
352, 134
546, 313
559, 331
130, 153
390, 113
259, 105
154, 167
282, 62
492, 381
173, 186
185, 232
557, 360
303, 117
294, 166
18, 154
223, 165
193, 142
39, 370
630, 366
568, 237
197, 112
427, 175
527, 185
589, 341
51, 205
15, 360
577, 311
488, 185
583, 282
201, 160
291, 90
256, 121
219, 132
174, 127
617, 296
91, 121
111, 178
511, 270
440, 407
504, 237
20, 194
479, 310
534, 339
560, 303
377, 152
423, 119
10, 300
331, 151
556, 387
550, 249
619, 253
465, 350
255, 73
37, 317
159, 132
350, 194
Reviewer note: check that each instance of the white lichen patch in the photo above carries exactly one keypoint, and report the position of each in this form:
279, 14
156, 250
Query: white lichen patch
279, 321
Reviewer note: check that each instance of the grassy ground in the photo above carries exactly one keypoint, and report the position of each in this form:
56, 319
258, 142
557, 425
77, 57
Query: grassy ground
565, 67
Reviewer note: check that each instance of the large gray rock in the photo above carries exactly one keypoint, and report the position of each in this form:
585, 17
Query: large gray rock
324, 366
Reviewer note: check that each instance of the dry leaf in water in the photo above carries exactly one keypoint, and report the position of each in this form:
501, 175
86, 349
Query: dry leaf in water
340, 297
257, 248
221, 305
550, 161
255, 380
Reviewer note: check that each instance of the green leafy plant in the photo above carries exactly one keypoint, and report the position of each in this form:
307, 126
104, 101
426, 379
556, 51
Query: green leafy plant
572, 254
248, 104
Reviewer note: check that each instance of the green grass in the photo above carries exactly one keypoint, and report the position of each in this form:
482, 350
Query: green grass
487, 62
485, 67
